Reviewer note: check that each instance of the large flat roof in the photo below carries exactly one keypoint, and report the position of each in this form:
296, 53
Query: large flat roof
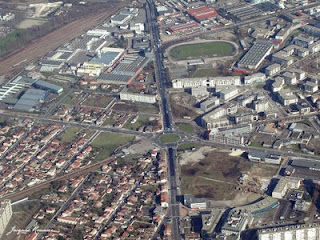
256, 54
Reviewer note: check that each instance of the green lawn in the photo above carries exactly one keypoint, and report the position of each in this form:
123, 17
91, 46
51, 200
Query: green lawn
106, 143
198, 50
187, 146
69, 135
206, 72
184, 127
169, 138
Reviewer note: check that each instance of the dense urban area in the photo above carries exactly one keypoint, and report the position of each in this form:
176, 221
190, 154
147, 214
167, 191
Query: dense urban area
160, 119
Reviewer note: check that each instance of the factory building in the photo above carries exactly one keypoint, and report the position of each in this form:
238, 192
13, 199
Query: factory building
48, 86
256, 54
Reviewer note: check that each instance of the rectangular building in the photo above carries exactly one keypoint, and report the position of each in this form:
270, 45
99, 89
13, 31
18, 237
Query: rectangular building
5, 215
209, 104
48, 86
256, 54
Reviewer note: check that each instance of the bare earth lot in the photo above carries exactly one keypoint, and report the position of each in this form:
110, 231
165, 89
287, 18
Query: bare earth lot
214, 174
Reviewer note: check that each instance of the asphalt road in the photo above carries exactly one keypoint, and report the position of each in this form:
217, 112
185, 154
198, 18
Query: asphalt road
161, 76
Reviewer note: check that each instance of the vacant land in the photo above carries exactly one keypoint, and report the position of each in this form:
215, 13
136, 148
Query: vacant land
69, 135
135, 108
100, 101
142, 120
169, 138
199, 50
106, 143
206, 72
187, 146
211, 173
214, 176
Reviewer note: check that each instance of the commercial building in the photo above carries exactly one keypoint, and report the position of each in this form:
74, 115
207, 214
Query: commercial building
287, 97
227, 139
209, 104
180, 28
283, 58
255, 78
194, 203
226, 94
203, 13
314, 31
5, 215
29, 100
210, 222
292, 232
206, 82
236, 222
260, 105
284, 185
261, 156
273, 69
256, 54
137, 97
290, 78
244, 117
277, 85
212, 119
199, 91
311, 86
48, 86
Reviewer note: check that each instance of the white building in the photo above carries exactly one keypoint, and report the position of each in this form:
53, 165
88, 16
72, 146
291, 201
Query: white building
290, 78
287, 97
209, 104
228, 93
277, 85
5, 215
206, 82
311, 86
138, 97
293, 232
255, 78
284, 185
273, 69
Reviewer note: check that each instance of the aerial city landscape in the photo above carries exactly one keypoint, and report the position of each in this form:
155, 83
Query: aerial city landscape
160, 119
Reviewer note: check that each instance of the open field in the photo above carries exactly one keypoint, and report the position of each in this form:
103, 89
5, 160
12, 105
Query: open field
69, 135
206, 72
98, 101
137, 107
199, 50
51, 41
106, 143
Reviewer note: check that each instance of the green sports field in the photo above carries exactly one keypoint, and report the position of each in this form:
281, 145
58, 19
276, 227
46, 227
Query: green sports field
198, 50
